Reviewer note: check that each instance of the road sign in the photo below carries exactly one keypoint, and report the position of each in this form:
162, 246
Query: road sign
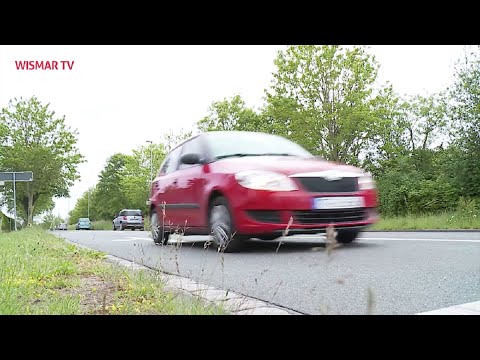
19, 176
16, 176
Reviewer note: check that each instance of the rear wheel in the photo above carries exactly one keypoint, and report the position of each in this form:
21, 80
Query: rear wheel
222, 228
346, 236
114, 228
159, 235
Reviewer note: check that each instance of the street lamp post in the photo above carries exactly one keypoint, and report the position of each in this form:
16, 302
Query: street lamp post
151, 160
88, 204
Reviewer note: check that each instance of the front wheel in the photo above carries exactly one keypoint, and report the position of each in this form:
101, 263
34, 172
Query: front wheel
346, 236
222, 227
159, 235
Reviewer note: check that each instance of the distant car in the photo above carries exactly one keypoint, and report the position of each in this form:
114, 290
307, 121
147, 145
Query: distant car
129, 219
236, 185
62, 226
83, 224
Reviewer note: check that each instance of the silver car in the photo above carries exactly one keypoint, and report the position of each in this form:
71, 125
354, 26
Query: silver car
129, 219
62, 226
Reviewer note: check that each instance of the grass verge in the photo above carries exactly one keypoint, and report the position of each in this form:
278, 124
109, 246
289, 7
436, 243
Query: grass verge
443, 221
42, 274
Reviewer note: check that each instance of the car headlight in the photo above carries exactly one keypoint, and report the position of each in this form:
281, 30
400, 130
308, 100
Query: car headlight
265, 180
366, 182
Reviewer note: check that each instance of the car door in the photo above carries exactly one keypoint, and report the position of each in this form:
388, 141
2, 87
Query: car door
164, 187
190, 183
116, 221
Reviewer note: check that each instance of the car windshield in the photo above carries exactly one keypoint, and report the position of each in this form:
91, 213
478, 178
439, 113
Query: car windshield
239, 143
133, 213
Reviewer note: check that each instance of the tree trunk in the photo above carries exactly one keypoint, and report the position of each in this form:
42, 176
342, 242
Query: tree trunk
30, 208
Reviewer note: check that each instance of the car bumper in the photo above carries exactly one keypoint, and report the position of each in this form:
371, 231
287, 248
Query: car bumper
265, 212
132, 225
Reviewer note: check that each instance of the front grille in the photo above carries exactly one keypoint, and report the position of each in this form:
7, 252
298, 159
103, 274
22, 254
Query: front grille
265, 216
322, 185
311, 217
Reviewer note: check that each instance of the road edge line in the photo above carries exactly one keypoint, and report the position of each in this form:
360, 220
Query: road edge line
235, 303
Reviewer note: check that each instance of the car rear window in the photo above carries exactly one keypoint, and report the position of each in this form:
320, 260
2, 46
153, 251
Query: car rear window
133, 213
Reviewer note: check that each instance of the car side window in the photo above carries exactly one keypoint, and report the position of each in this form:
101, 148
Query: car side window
171, 164
121, 213
193, 146
163, 168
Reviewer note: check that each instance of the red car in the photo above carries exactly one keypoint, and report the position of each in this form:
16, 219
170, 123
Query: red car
237, 185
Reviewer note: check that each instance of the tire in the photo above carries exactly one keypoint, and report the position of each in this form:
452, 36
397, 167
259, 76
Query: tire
133, 229
114, 228
159, 235
347, 236
222, 228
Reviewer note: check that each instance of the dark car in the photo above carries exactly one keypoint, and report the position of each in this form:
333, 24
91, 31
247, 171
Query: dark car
236, 185
129, 219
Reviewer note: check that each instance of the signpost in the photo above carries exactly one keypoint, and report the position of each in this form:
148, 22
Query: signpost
15, 176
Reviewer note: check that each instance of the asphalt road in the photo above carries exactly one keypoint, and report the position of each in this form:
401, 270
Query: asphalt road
399, 273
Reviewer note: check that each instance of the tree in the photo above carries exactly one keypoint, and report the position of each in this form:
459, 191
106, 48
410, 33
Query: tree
230, 114
135, 180
465, 110
322, 96
174, 137
86, 206
109, 195
34, 139
50, 221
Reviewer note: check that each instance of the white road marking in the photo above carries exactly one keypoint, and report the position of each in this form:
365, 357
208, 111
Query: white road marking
410, 239
132, 238
472, 308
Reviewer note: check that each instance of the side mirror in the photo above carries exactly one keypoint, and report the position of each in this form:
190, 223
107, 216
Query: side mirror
190, 159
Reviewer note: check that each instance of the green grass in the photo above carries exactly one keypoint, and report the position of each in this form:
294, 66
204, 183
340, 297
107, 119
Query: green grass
42, 274
443, 221
102, 225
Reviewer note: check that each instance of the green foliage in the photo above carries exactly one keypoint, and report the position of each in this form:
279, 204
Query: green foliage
123, 183
135, 181
50, 221
323, 98
35, 140
172, 138
466, 111
230, 114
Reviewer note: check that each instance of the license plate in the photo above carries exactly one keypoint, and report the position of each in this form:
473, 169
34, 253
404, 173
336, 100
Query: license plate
344, 202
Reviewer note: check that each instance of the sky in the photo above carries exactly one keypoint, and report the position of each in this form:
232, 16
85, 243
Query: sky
118, 97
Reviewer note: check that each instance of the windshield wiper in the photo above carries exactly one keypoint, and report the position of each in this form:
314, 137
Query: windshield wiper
276, 154
235, 155
243, 154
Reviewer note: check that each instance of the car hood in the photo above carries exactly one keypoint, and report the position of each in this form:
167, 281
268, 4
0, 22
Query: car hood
287, 165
